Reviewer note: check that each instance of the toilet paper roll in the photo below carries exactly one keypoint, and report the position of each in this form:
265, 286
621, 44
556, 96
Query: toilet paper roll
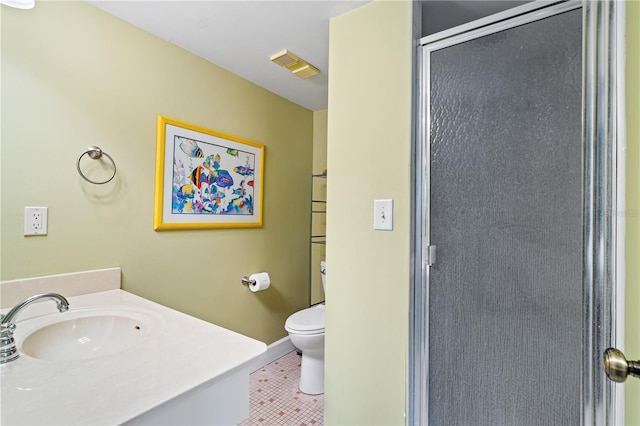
260, 280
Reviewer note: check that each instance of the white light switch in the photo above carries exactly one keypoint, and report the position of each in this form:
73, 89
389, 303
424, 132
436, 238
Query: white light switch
35, 220
383, 215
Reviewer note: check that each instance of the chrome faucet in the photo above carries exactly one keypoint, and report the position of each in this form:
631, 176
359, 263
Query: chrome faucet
8, 350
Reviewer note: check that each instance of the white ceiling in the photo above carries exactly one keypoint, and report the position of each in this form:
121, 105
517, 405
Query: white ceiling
241, 35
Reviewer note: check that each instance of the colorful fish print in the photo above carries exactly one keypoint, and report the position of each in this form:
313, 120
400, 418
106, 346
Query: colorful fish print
208, 162
210, 187
191, 148
212, 192
224, 179
212, 163
200, 176
208, 207
240, 206
187, 191
218, 195
243, 170
240, 190
196, 176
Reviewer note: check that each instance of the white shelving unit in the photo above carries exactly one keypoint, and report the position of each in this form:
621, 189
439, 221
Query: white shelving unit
317, 231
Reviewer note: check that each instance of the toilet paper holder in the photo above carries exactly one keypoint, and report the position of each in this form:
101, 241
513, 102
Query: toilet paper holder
257, 282
247, 281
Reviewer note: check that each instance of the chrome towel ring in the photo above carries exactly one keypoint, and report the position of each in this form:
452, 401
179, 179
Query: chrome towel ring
95, 153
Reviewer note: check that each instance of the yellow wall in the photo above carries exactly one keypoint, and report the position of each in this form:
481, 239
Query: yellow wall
632, 311
319, 140
369, 142
74, 76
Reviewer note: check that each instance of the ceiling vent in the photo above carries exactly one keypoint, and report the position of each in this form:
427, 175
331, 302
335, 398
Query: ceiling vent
305, 71
284, 58
298, 66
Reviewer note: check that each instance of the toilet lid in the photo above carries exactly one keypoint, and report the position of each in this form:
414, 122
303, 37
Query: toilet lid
307, 321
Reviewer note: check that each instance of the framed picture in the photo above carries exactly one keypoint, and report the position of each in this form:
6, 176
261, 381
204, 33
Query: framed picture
206, 179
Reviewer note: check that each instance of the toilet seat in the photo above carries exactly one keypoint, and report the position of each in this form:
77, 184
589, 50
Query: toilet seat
306, 321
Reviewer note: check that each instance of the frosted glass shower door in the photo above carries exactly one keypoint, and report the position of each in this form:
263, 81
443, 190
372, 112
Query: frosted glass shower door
505, 193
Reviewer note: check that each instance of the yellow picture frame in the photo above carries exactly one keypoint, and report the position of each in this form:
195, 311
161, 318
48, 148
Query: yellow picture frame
206, 179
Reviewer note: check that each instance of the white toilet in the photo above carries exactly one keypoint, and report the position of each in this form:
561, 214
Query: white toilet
306, 331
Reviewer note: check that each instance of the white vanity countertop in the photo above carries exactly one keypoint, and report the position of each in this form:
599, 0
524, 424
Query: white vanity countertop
182, 353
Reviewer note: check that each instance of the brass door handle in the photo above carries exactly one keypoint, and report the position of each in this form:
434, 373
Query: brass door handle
617, 367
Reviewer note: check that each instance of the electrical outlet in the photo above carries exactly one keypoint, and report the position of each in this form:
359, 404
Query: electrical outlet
35, 220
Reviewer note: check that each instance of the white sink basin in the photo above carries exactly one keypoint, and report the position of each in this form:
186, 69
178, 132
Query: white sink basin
87, 333
174, 370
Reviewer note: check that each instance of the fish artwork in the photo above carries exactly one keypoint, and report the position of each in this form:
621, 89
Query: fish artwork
200, 176
191, 148
224, 179
212, 179
195, 176
240, 190
243, 170
240, 206
187, 191
212, 163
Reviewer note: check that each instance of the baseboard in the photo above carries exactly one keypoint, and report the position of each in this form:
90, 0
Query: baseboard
279, 349
276, 350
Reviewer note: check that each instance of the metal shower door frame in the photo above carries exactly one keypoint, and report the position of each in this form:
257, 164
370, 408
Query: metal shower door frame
603, 195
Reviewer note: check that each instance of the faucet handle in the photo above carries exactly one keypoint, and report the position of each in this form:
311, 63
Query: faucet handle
8, 327
8, 350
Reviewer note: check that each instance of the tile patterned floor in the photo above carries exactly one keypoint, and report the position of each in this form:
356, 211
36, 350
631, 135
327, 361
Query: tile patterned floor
276, 400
